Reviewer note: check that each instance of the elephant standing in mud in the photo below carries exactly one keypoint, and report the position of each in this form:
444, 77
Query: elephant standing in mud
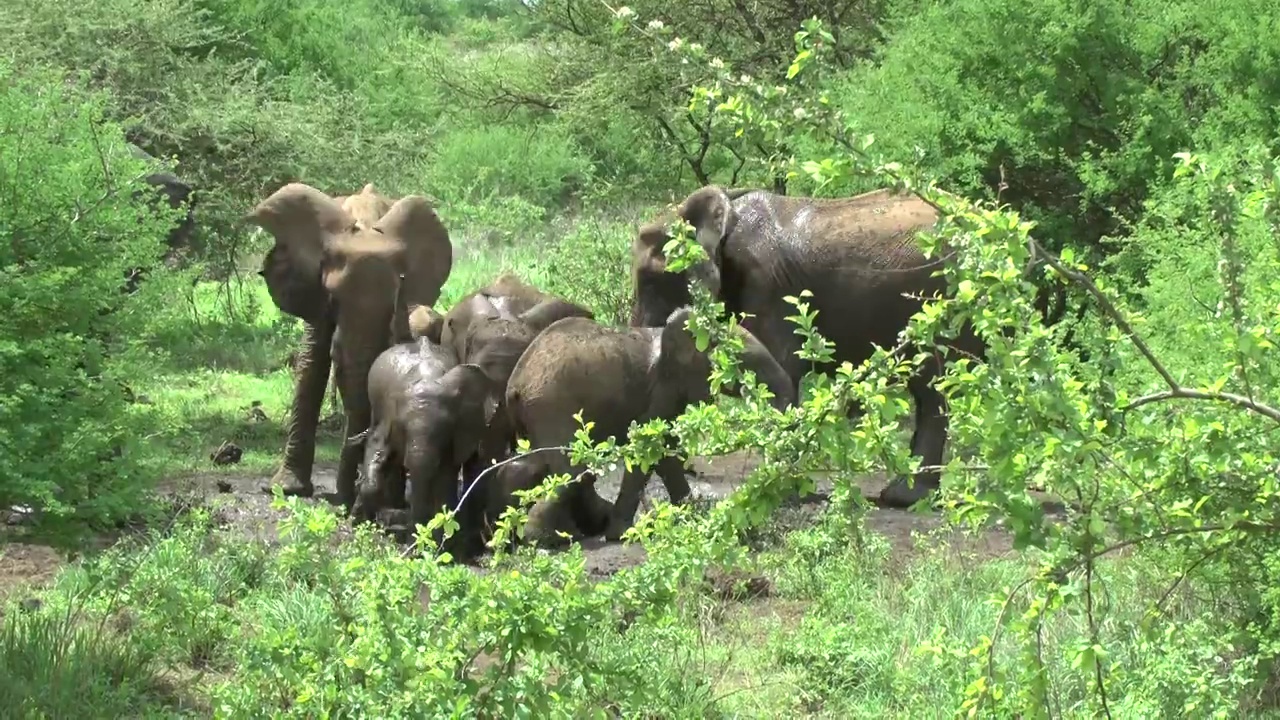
858, 258
491, 327
340, 273
614, 376
428, 415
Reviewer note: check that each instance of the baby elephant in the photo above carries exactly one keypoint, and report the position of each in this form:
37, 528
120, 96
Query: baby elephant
429, 414
616, 375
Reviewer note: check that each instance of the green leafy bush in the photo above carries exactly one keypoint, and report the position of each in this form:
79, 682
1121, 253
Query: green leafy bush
70, 228
538, 164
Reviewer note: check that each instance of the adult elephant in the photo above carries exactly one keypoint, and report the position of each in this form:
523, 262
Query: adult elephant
175, 192
428, 414
858, 258
367, 207
338, 274
614, 376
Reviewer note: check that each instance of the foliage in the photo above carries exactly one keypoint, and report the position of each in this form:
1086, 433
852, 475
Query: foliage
1137, 466
1070, 114
1144, 131
72, 228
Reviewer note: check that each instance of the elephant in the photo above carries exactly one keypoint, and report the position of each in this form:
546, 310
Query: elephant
494, 337
507, 296
858, 258
367, 207
428, 414
176, 192
333, 271
614, 376
589, 514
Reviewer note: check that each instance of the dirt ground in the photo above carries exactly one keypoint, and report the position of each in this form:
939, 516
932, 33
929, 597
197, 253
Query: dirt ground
243, 506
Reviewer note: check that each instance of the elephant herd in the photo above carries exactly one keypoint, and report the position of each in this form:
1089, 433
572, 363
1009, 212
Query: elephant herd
431, 401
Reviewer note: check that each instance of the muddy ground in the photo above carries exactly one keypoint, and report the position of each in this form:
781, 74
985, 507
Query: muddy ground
241, 505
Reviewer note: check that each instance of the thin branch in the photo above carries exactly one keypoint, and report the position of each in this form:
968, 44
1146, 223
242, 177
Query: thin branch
1176, 390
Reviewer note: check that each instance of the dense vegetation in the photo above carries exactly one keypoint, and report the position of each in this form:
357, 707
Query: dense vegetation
1109, 173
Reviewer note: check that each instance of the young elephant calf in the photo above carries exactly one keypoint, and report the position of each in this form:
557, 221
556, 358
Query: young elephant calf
429, 414
615, 375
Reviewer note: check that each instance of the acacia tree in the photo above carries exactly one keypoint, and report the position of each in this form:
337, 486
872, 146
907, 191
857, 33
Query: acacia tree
585, 72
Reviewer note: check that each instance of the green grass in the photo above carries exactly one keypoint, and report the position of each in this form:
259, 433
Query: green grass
843, 633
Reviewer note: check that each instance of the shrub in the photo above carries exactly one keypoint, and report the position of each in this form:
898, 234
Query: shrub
69, 230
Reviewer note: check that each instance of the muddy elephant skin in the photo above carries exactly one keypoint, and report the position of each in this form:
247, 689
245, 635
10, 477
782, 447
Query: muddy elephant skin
614, 376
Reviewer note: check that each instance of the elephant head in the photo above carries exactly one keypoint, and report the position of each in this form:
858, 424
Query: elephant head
425, 322
682, 371
322, 251
658, 293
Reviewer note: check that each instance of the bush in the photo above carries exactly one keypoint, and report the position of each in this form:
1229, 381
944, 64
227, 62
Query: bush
538, 164
70, 229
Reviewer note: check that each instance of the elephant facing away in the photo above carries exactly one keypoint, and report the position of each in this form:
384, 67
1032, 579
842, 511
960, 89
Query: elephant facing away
613, 376
428, 415
340, 275
856, 255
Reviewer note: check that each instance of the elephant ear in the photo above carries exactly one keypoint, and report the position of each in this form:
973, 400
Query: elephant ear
427, 251
538, 317
469, 389
303, 221
710, 211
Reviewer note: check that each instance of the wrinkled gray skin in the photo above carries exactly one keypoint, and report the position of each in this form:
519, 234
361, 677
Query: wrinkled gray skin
614, 375
491, 328
428, 414
858, 258
176, 192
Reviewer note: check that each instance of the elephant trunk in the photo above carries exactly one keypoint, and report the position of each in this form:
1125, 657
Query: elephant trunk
430, 489
757, 358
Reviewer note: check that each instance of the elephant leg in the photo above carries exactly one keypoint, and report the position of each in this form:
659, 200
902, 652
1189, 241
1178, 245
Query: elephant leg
927, 442
472, 505
672, 472
624, 508
394, 495
308, 397
355, 400
591, 513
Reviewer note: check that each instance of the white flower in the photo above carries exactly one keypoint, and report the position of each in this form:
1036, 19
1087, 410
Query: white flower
799, 113
695, 47
675, 44
745, 78
656, 25
625, 12
717, 63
